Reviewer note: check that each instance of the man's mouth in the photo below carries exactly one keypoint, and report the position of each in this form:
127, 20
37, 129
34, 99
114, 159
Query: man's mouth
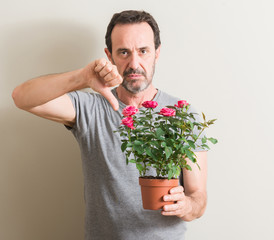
134, 76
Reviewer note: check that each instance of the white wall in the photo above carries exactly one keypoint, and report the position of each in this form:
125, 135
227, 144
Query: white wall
217, 54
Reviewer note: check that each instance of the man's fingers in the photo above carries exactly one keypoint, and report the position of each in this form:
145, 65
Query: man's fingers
100, 64
175, 194
113, 74
178, 189
107, 76
104, 67
174, 197
106, 92
106, 70
116, 80
172, 207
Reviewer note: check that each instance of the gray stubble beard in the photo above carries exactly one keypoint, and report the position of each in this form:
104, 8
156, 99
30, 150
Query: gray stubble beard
128, 85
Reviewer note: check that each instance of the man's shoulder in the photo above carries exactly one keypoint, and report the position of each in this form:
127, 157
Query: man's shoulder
86, 102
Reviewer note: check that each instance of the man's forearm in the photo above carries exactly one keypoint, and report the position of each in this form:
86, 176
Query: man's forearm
197, 205
42, 89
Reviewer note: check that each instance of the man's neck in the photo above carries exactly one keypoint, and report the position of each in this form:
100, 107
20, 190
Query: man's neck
136, 99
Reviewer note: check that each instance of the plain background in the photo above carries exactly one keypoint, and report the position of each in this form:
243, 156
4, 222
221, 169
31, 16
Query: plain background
217, 54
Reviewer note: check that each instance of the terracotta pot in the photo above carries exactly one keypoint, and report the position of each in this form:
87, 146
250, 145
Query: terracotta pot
153, 191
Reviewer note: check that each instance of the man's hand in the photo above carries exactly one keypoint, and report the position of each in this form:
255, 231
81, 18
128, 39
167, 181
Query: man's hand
182, 205
101, 75
186, 207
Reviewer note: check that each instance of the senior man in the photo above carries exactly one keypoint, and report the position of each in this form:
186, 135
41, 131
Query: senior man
112, 195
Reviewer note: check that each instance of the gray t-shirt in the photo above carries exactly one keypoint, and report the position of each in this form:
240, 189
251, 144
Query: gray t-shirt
112, 192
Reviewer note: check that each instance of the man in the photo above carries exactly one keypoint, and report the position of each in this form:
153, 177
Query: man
113, 204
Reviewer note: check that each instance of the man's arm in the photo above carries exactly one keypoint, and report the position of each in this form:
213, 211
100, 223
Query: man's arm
192, 198
46, 96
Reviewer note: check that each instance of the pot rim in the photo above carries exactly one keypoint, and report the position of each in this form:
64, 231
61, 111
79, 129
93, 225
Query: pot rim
158, 182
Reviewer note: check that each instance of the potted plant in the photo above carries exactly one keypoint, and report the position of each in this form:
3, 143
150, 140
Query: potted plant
162, 140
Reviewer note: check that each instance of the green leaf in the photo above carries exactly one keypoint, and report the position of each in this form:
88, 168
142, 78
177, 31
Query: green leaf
191, 143
168, 151
178, 146
170, 174
189, 154
183, 139
204, 139
159, 133
210, 122
204, 116
185, 147
191, 124
124, 146
150, 154
155, 143
188, 167
137, 143
139, 167
198, 166
137, 146
205, 146
178, 171
213, 140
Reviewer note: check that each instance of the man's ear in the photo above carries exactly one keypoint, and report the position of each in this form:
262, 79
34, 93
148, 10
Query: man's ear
157, 53
108, 55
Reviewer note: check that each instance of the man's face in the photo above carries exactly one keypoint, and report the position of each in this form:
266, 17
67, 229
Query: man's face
133, 52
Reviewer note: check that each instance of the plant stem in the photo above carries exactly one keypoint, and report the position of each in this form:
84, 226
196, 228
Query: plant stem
129, 138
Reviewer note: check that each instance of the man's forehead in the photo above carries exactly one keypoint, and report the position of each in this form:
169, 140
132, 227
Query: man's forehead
132, 34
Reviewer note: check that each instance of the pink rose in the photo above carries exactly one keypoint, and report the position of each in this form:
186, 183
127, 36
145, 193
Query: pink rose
128, 121
130, 110
150, 104
168, 112
181, 104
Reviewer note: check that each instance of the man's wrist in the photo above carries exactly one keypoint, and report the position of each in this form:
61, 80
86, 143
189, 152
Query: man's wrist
78, 80
197, 205
189, 209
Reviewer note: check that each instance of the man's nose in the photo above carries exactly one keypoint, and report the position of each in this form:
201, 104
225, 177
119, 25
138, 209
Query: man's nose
134, 61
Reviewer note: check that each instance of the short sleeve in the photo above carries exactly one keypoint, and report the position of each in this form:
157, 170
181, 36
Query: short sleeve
83, 103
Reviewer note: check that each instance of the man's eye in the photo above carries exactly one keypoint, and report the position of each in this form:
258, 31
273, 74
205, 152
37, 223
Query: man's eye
124, 53
144, 51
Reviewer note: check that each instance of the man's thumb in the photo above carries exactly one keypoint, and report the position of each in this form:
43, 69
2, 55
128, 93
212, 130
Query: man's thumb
111, 98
